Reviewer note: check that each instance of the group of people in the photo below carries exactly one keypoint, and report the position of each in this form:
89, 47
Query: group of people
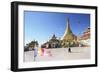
41, 52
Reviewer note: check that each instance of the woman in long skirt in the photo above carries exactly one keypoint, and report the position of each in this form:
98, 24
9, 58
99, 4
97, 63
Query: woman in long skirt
35, 53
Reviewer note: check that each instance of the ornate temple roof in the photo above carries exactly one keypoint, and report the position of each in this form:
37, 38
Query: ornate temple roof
86, 34
53, 37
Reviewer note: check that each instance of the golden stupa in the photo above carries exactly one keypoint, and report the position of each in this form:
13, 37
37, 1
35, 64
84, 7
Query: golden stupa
69, 38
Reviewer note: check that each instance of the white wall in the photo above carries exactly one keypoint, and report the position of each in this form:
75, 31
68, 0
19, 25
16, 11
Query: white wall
5, 17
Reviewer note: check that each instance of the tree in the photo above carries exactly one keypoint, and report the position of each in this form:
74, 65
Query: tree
33, 44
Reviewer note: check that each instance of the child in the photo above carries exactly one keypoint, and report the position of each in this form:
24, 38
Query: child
49, 53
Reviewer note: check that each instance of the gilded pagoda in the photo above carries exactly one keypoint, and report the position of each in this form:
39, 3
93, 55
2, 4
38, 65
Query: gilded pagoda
69, 39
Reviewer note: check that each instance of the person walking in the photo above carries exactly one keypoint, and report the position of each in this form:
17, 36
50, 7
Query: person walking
69, 50
35, 52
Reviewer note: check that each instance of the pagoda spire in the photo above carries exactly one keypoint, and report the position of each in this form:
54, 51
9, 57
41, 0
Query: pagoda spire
68, 29
68, 35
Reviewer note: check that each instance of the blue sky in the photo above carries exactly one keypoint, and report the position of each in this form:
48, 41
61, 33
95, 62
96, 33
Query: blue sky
41, 26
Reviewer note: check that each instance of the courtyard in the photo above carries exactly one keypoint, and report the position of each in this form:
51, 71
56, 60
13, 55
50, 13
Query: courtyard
60, 54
